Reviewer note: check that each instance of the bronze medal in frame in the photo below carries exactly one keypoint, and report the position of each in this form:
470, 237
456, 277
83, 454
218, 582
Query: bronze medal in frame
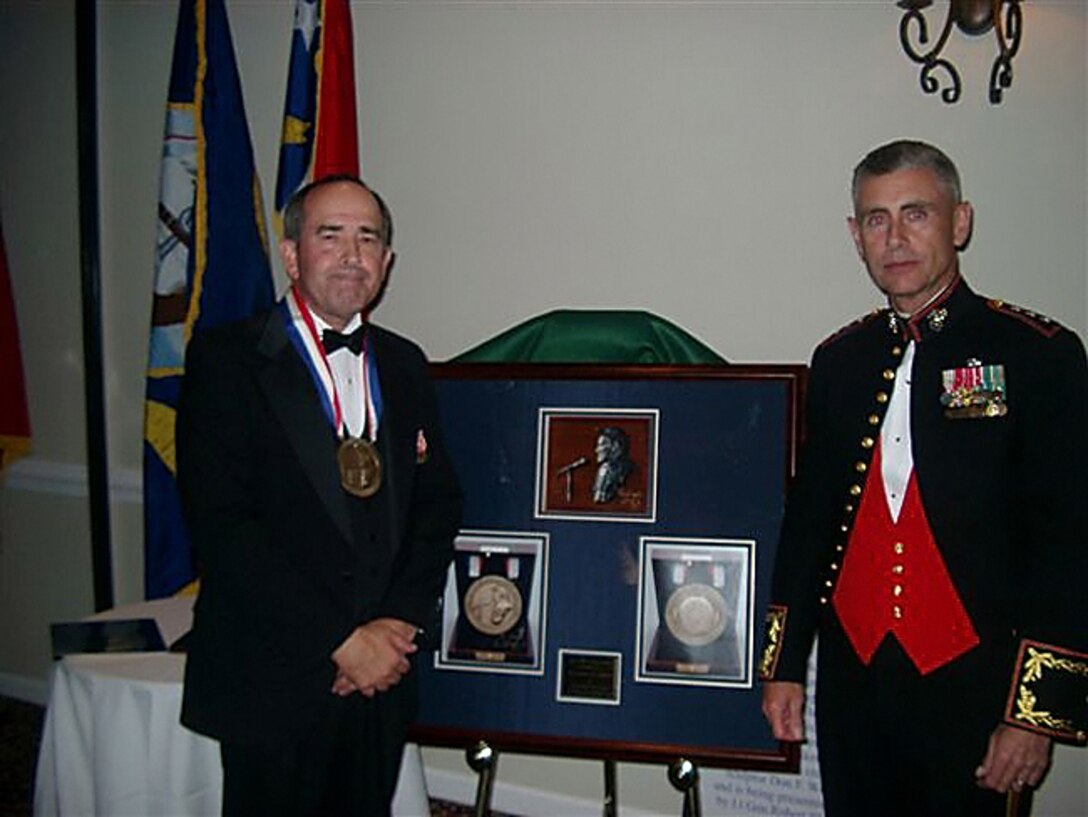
493, 605
360, 467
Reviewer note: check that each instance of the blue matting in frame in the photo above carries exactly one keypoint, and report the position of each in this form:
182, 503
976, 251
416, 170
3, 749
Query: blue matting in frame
725, 440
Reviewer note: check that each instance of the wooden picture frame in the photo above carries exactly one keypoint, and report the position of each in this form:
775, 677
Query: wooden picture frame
711, 450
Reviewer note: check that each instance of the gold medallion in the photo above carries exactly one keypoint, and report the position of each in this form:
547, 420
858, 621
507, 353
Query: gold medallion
696, 614
360, 467
493, 605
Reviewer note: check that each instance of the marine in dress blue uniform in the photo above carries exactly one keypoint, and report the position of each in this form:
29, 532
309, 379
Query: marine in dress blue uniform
934, 537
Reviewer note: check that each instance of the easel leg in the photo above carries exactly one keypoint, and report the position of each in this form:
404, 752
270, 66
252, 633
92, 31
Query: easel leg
610, 804
1019, 803
482, 759
684, 776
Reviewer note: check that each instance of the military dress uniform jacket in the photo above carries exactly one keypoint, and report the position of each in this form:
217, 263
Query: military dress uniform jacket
1004, 486
290, 563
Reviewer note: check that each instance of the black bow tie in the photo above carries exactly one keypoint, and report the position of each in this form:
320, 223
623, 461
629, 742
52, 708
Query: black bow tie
333, 340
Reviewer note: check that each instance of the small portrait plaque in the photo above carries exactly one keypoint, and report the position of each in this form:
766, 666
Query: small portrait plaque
597, 464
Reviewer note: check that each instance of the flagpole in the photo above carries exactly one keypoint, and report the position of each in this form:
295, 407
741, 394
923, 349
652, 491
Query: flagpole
90, 278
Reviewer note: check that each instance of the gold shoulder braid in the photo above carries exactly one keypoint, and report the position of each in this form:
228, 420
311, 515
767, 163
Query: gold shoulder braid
1048, 327
852, 327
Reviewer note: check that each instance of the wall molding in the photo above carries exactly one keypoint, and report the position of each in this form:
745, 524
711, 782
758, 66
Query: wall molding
22, 688
70, 480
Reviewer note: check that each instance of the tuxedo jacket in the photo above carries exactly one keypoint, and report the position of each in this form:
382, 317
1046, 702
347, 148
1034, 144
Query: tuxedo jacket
1006, 498
289, 562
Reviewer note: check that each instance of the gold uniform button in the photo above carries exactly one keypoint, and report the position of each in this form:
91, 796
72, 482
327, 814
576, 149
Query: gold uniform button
897, 611
882, 397
855, 490
844, 528
828, 583
838, 548
860, 467
849, 508
897, 570
897, 350
867, 442
899, 548
823, 600
888, 374
874, 419
897, 590
834, 566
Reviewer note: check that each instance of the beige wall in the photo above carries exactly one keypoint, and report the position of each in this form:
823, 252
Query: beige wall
686, 158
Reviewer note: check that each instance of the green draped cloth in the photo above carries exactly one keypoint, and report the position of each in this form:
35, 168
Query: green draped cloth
593, 336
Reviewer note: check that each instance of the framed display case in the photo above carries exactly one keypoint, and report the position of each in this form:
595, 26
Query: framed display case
695, 611
620, 527
493, 616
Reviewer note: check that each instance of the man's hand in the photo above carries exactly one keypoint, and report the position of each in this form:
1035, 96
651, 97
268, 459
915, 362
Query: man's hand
1016, 758
783, 705
374, 657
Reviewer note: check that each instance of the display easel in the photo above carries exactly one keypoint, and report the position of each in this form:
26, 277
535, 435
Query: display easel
682, 774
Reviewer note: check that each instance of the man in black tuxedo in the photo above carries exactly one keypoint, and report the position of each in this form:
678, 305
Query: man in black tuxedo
934, 536
323, 508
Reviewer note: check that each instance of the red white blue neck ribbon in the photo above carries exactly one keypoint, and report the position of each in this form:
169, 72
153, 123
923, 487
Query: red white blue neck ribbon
308, 345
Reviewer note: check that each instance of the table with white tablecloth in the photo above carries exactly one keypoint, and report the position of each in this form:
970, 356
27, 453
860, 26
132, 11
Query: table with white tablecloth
112, 743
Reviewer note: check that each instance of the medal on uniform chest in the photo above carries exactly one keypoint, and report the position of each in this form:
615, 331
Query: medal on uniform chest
360, 466
974, 391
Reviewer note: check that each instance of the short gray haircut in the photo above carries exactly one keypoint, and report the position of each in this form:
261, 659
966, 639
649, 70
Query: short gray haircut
907, 154
294, 212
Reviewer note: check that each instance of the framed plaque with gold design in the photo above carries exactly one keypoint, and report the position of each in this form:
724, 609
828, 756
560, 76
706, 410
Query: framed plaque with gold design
493, 611
695, 611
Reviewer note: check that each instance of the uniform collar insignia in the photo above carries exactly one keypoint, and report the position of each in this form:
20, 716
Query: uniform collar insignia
936, 318
930, 319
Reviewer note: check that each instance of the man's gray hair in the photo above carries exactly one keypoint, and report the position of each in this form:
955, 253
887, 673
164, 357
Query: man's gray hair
293, 213
907, 154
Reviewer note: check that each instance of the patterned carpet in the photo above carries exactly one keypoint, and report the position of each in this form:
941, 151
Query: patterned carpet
20, 735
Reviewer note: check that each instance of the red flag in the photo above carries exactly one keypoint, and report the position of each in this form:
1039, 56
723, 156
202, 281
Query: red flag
319, 126
14, 418
337, 141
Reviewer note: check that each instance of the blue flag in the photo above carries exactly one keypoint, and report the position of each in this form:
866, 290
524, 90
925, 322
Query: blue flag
319, 122
211, 258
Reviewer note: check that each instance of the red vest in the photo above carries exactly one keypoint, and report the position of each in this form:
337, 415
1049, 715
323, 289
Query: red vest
893, 580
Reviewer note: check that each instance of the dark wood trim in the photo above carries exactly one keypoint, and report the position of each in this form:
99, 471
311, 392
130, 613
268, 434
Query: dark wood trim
786, 760
785, 757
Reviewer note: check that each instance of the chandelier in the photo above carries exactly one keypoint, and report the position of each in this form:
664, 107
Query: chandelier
974, 18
